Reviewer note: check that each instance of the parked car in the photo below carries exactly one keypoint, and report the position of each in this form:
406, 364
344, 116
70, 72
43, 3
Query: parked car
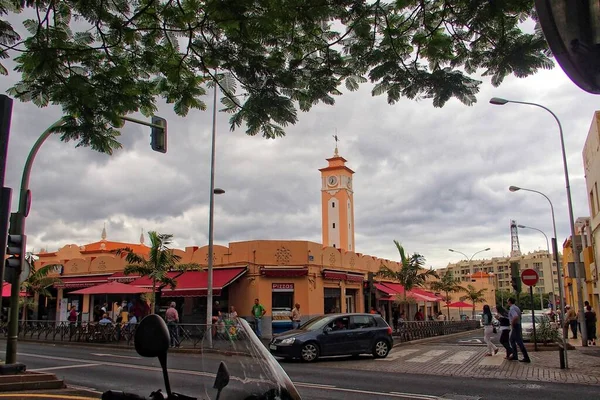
527, 324
334, 335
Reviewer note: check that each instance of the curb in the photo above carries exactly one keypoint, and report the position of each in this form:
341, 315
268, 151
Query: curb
433, 338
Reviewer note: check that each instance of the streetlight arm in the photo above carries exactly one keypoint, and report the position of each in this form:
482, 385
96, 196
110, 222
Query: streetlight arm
460, 252
480, 251
549, 202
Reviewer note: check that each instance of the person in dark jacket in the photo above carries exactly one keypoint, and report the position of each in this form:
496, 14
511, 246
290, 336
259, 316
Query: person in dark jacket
502, 317
590, 324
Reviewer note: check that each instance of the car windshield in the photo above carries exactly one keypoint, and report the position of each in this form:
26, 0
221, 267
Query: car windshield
316, 323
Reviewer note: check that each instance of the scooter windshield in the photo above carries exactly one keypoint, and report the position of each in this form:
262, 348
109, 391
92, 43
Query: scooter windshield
242, 366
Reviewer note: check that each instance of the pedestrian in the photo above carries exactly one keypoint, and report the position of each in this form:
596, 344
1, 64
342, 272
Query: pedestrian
296, 316
571, 321
172, 318
488, 329
258, 311
516, 333
590, 325
502, 317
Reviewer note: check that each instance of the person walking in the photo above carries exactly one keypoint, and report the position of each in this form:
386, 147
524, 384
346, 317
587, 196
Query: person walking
488, 329
258, 311
590, 325
296, 316
502, 317
516, 333
172, 318
571, 319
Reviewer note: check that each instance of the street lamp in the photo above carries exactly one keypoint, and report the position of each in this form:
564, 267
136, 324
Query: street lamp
477, 252
540, 231
211, 215
500, 101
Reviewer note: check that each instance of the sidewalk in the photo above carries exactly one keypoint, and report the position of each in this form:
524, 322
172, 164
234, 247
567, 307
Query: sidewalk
471, 362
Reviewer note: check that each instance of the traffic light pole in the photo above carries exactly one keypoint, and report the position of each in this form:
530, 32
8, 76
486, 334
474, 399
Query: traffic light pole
5, 196
17, 227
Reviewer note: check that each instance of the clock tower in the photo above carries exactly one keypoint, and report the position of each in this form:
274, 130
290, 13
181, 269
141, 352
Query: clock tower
337, 202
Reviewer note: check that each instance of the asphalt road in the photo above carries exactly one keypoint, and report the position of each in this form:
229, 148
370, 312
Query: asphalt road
102, 369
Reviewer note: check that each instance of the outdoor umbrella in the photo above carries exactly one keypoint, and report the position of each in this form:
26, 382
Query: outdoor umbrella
112, 288
461, 304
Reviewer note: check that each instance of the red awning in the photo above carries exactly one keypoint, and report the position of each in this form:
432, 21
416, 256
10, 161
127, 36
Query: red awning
461, 304
111, 288
355, 277
337, 275
70, 282
6, 288
416, 293
121, 277
194, 283
284, 272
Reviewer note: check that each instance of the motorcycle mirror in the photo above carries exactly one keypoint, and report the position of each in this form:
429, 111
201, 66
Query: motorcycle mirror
152, 340
152, 337
222, 378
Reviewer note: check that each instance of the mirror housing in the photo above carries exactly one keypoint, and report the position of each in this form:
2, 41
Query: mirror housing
222, 378
152, 337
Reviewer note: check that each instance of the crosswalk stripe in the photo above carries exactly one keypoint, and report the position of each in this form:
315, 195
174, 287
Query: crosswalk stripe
459, 358
428, 356
496, 360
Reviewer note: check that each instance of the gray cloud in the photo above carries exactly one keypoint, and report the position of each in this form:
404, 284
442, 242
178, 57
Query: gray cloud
431, 178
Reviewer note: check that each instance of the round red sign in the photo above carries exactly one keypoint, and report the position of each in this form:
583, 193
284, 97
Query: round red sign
529, 277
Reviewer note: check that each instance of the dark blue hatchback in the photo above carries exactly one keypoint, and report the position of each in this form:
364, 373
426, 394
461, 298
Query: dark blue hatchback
335, 335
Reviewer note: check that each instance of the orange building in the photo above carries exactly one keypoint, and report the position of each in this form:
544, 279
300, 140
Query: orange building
321, 277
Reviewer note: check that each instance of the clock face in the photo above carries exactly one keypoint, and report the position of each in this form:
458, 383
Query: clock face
332, 181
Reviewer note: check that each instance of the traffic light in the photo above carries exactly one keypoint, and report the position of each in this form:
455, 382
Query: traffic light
515, 276
158, 137
516, 284
15, 248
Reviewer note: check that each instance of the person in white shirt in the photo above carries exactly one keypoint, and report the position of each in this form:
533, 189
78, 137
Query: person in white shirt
516, 334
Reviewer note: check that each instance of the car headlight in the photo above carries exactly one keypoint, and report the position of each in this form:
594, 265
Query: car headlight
287, 342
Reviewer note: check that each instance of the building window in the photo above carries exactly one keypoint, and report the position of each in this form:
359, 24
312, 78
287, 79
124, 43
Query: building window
334, 225
593, 203
332, 205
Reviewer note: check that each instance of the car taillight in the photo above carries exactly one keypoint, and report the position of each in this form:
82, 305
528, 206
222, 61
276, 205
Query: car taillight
389, 330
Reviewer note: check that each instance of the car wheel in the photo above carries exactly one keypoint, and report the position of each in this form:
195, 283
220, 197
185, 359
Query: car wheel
310, 352
381, 349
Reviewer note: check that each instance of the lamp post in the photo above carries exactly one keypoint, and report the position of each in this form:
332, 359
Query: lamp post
474, 254
211, 215
500, 102
549, 257
540, 231
558, 266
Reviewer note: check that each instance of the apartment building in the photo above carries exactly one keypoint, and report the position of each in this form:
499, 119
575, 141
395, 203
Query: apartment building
498, 270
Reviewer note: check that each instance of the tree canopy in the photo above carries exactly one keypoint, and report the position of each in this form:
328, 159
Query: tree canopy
100, 59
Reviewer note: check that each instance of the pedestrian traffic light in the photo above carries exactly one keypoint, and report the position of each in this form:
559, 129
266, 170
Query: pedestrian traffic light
158, 137
15, 249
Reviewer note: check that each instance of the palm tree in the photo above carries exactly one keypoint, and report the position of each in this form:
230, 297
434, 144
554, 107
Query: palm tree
411, 273
447, 284
161, 260
38, 282
474, 295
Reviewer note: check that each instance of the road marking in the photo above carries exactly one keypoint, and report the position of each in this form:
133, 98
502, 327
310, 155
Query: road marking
459, 358
64, 367
87, 389
426, 357
413, 396
115, 356
476, 341
492, 360
398, 354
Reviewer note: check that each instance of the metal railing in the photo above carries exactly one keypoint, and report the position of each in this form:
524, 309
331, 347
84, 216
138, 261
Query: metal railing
185, 335
413, 330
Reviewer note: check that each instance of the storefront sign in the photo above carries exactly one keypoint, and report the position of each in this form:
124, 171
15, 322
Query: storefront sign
282, 287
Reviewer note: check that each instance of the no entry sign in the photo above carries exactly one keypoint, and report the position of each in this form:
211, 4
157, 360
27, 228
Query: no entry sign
529, 277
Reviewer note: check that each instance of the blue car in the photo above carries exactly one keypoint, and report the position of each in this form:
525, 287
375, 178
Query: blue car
335, 335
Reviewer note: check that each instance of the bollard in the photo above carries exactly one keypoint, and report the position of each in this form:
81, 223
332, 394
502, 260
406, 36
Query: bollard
561, 355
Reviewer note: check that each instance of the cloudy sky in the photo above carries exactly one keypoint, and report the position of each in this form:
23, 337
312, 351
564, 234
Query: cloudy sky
431, 178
